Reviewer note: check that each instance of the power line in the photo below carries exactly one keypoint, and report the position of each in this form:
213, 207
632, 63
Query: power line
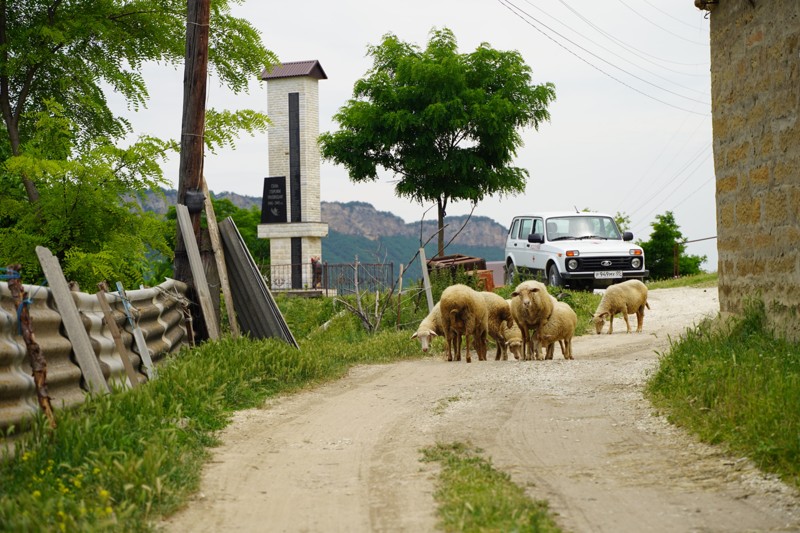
687, 139
678, 186
632, 49
668, 80
660, 27
514, 9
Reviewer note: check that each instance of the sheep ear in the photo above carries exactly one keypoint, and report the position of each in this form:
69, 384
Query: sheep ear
515, 293
414, 336
606, 314
433, 334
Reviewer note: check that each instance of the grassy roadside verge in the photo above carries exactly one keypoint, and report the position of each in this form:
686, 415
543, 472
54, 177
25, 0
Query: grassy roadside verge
119, 462
473, 496
738, 386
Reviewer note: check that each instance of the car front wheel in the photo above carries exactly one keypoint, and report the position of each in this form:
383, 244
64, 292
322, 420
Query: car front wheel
553, 277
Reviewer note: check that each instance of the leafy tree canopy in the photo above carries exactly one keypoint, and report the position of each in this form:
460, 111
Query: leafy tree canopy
63, 176
659, 251
447, 124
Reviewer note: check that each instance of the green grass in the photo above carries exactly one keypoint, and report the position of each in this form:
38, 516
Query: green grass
473, 496
704, 280
738, 386
118, 462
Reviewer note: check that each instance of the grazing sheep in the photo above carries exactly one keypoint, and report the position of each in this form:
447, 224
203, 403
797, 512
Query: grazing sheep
559, 327
513, 341
431, 326
531, 306
464, 312
627, 298
499, 316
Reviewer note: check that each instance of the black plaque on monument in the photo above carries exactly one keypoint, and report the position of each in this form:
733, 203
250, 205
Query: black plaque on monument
273, 202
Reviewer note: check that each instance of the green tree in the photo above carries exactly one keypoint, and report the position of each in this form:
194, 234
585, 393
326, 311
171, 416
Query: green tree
623, 221
63, 176
447, 124
659, 251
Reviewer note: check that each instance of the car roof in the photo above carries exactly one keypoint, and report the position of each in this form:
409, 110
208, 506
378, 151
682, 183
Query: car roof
552, 214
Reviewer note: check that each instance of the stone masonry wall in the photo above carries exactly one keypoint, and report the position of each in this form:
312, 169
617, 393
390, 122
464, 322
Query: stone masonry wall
755, 85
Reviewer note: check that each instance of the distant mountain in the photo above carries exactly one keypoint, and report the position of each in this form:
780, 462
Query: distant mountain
358, 229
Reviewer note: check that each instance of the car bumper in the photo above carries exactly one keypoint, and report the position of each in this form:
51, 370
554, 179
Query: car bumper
626, 274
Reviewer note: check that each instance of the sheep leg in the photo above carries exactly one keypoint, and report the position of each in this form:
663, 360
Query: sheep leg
627, 324
525, 341
568, 344
469, 358
550, 350
610, 323
639, 319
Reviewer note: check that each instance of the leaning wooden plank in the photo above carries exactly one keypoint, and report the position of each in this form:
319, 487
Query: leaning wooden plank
198, 273
111, 324
71, 318
138, 337
219, 257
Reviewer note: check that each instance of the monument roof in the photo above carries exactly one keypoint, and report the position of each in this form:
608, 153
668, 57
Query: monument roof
293, 69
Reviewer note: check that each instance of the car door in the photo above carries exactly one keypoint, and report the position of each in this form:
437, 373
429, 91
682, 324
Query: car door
538, 257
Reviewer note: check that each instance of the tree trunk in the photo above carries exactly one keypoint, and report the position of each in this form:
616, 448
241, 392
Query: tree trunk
441, 204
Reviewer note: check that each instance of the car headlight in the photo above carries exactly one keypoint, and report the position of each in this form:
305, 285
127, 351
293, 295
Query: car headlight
636, 262
572, 264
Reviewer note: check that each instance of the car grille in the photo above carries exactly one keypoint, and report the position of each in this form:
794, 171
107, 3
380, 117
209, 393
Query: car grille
593, 264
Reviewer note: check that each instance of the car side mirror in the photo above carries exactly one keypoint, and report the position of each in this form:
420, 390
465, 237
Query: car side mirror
627, 236
536, 238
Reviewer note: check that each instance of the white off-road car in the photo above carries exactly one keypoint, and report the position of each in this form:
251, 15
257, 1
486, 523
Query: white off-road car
576, 250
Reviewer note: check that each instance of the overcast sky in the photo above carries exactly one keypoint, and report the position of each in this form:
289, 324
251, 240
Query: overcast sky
630, 129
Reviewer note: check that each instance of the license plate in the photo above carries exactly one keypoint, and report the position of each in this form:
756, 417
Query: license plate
608, 274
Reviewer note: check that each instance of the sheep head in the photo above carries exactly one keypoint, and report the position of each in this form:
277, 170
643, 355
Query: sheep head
424, 338
599, 321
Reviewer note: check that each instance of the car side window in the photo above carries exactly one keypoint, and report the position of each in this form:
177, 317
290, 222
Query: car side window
525, 228
538, 226
514, 230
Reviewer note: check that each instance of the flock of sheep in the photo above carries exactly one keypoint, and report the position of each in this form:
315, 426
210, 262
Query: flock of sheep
530, 321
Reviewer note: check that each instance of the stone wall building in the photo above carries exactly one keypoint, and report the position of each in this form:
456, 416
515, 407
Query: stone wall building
755, 86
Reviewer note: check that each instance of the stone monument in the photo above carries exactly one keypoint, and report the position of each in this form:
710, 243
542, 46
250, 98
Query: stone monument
290, 213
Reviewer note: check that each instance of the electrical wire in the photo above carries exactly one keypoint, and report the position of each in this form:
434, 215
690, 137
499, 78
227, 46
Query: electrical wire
632, 49
662, 28
654, 74
516, 11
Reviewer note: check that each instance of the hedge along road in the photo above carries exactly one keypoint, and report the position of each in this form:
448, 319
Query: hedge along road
579, 434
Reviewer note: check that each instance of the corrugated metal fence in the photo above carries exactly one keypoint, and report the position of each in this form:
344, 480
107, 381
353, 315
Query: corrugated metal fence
160, 315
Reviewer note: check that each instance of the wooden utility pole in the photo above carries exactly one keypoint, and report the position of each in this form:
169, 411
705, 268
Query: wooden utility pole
190, 173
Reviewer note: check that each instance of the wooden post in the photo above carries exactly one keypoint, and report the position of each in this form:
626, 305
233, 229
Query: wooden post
399, 295
71, 319
198, 274
426, 279
111, 324
219, 257
138, 336
38, 362
190, 169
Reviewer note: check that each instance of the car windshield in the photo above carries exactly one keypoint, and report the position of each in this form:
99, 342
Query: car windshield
582, 227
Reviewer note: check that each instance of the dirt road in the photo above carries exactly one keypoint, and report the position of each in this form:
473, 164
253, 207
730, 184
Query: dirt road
579, 434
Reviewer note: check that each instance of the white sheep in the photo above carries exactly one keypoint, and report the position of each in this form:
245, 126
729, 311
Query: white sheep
499, 316
559, 327
627, 298
531, 306
431, 326
512, 338
464, 312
